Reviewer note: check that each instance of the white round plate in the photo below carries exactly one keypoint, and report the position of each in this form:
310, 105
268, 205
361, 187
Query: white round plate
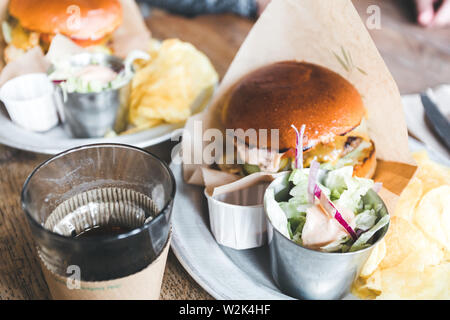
57, 140
223, 272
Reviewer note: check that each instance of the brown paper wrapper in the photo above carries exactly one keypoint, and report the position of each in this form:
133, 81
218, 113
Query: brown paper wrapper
102, 207
143, 285
330, 34
131, 35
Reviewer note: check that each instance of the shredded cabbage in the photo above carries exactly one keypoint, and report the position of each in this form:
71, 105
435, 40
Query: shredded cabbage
346, 191
366, 219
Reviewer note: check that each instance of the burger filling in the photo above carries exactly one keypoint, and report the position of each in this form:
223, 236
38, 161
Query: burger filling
352, 149
19, 40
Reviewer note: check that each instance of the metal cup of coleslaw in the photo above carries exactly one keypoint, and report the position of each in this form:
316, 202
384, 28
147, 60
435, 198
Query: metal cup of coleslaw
96, 89
310, 274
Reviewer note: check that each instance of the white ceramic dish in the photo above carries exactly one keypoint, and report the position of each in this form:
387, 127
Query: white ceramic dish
32, 101
223, 272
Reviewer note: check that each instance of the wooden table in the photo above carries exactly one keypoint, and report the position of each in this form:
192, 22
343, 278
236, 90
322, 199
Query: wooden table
418, 58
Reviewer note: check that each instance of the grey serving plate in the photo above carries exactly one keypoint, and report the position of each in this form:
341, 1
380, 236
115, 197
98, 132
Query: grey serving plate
223, 272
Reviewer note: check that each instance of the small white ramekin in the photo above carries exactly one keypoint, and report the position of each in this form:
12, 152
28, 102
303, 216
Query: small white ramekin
237, 218
31, 101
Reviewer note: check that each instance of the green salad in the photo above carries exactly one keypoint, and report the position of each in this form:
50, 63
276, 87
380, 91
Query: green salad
329, 211
91, 78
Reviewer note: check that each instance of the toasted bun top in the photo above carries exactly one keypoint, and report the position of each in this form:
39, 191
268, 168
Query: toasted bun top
285, 93
97, 18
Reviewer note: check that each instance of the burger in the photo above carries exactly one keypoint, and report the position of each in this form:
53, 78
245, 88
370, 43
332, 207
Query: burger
32, 23
289, 93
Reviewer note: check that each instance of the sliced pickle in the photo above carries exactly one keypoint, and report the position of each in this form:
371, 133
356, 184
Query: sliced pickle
250, 168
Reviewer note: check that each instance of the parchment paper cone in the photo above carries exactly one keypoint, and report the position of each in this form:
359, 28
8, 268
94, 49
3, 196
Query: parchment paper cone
316, 31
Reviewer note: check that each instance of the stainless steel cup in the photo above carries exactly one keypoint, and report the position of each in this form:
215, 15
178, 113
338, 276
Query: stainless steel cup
308, 274
92, 115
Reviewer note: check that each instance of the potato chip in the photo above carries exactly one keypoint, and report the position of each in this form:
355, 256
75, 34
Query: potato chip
165, 88
368, 288
430, 283
433, 216
416, 264
374, 260
409, 199
432, 174
401, 239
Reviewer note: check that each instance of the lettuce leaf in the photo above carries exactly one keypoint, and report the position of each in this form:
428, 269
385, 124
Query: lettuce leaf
276, 215
366, 219
296, 225
339, 179
293, 208
336, 245
363, 240
298, 176
356, 188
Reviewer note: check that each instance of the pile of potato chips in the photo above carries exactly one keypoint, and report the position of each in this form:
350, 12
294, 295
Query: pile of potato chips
168, 86
413, 261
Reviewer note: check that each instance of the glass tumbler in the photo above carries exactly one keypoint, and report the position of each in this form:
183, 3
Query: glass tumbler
122, 191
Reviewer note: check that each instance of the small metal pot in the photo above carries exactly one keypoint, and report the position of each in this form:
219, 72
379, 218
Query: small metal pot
92, 115
308, 274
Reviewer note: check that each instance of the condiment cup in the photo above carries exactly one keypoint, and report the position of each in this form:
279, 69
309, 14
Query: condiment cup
237, 218
309, 274
32, 101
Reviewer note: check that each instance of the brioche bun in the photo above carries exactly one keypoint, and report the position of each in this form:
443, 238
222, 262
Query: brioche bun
98, 18
290, 92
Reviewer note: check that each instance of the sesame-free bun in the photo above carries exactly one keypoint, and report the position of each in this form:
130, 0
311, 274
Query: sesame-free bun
98, 18
290, 92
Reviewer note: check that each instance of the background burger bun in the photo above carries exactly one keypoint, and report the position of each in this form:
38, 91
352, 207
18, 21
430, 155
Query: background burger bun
290, 92
98, 18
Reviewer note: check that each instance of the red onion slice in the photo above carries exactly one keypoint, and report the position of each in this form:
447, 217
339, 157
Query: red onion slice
328, 205
312, 178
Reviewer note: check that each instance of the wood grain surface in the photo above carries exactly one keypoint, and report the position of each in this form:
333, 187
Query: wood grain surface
417, 57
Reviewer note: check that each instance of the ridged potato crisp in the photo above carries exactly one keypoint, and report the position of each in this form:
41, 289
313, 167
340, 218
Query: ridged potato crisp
167, 87
413, 261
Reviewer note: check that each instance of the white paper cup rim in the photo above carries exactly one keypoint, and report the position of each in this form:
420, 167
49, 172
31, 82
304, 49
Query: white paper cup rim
8, 87
235, 206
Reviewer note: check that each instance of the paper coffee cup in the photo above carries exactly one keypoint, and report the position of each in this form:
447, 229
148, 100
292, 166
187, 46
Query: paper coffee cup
237, 218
